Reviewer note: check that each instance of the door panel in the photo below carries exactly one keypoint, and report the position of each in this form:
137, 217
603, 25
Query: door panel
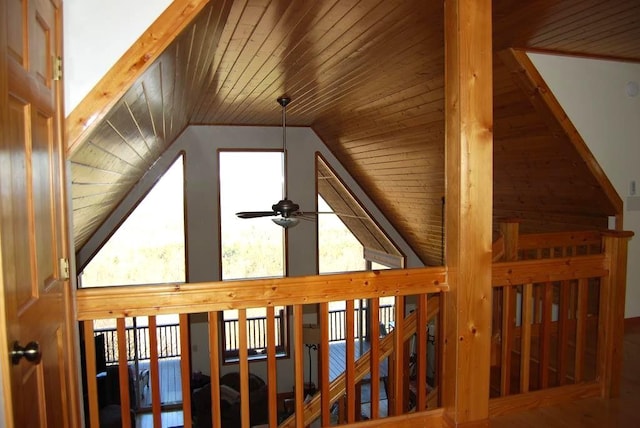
44, 204
18, 130
17, 30
33, 234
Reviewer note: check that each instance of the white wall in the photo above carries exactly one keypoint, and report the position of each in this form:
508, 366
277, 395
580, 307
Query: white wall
96, 34
593, 94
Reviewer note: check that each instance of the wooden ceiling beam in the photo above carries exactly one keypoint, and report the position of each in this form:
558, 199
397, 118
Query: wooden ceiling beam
95, 106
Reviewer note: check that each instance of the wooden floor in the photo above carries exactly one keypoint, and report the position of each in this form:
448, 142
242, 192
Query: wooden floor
338, 357
171, 394
620, 412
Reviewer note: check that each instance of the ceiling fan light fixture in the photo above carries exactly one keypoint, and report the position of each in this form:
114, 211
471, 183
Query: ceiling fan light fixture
285, 222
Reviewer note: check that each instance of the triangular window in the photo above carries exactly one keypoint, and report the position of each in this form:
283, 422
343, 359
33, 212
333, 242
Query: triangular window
148, 247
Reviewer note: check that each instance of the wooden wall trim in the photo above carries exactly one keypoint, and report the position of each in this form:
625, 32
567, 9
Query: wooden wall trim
129, 67
529, 79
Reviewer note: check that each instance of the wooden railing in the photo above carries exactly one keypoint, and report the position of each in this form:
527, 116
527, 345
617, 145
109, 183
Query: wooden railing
410, 288
169, 334
554, 315
557, 329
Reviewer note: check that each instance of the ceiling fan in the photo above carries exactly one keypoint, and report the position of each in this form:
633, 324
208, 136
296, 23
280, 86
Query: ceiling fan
286, 212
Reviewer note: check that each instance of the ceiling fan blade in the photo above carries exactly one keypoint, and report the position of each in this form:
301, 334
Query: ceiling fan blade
314, 213
255, 214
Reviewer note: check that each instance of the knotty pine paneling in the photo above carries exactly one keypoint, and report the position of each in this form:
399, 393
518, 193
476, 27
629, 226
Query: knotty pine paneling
538, 173
143, 123
368, 77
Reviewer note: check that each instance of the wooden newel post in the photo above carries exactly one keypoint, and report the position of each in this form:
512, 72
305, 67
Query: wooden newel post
510, 229
612, 298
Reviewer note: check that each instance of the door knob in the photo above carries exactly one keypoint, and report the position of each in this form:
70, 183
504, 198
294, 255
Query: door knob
31, 353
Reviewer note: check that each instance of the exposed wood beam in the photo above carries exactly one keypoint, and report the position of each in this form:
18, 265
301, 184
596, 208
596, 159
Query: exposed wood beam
93, 108
469, 191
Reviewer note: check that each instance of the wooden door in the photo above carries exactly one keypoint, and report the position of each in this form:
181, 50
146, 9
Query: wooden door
33, 230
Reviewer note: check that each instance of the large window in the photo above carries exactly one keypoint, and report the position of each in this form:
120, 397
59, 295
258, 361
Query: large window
149, 245
250, 181
251, 248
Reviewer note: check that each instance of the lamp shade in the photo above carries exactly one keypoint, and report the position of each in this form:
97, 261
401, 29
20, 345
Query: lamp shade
285, 222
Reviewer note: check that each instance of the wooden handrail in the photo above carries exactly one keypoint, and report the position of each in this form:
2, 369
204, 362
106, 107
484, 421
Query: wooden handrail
545, 270
362, 367
141, 300
559, 239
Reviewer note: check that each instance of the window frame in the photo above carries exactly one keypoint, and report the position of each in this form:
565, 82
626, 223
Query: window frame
230, 355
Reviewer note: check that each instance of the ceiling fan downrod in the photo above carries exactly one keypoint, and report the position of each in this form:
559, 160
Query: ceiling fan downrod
284, 102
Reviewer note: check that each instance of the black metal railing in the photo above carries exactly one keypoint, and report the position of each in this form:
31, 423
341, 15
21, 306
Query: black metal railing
387, 316
138, 341
256, 333
169, 335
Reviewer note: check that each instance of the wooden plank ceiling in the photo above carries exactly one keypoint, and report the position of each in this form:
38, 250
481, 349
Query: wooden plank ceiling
368, 77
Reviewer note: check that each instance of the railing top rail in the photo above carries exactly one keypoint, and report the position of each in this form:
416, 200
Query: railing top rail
559, 239
139, 300
547, 270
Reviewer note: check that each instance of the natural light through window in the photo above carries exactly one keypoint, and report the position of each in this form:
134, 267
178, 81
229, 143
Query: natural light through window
338, 249
149, 246
250, 248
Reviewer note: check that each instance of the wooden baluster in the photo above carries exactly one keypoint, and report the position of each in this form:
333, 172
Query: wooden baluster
92, 383
272, 374
525, 355
185, 369
581, 328
398, 361
421, 354
123, 374
298, 364
563, 331
154, 373
508, 325
214, 364
323, 309
358, 401
374, 342
511, 231
243, 363
350, 361
545, 334
537, 304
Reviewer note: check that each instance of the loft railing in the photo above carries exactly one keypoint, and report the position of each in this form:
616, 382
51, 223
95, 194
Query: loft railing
556, 305
169, 334
410, 288
557, 331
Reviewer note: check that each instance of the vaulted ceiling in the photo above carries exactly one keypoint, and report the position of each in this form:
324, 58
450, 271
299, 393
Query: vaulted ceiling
368, 77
